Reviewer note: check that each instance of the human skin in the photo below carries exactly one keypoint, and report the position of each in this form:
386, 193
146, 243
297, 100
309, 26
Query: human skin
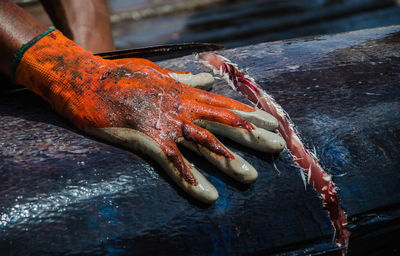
87, 22
17, 27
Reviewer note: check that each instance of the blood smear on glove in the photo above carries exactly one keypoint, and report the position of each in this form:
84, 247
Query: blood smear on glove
304, 159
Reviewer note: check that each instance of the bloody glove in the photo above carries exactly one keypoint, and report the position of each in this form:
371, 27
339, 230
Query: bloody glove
139, 105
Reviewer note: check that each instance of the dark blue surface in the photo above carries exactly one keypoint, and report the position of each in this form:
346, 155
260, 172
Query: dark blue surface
63, 193
81, 196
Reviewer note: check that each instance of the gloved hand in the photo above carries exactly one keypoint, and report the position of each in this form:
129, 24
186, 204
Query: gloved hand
138, 105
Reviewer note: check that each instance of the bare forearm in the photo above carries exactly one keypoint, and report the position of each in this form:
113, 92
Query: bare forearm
86, 22
16, 28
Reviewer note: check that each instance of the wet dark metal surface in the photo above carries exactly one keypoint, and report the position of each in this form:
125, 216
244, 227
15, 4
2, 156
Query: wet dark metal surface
243, 22
64, 193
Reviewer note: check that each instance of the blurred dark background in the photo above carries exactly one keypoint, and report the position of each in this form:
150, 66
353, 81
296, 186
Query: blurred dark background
234, 23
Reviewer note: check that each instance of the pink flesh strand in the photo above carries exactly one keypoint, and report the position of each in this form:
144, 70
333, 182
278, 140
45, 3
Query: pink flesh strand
307, 161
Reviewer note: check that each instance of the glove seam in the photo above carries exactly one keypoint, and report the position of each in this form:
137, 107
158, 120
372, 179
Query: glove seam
20, 53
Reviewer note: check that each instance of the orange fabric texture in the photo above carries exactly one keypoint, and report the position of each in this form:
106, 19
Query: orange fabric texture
130, 93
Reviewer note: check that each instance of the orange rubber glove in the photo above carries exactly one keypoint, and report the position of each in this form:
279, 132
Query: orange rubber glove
137, 104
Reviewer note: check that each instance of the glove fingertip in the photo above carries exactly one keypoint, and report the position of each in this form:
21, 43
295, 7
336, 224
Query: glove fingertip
204, 191
202, 81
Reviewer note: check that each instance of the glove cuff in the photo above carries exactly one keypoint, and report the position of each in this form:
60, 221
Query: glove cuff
62, 73
20, 53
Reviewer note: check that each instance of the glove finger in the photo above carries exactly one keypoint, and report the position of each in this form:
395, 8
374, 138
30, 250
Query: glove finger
205, 143
202, 81
203, 191
146, 63
259, 118
199, 187
224, 122
256, 116
237, 168
235, 118
220, 101
256, 138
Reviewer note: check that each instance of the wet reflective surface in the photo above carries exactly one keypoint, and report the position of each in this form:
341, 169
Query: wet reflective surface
239, 23
63, 193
